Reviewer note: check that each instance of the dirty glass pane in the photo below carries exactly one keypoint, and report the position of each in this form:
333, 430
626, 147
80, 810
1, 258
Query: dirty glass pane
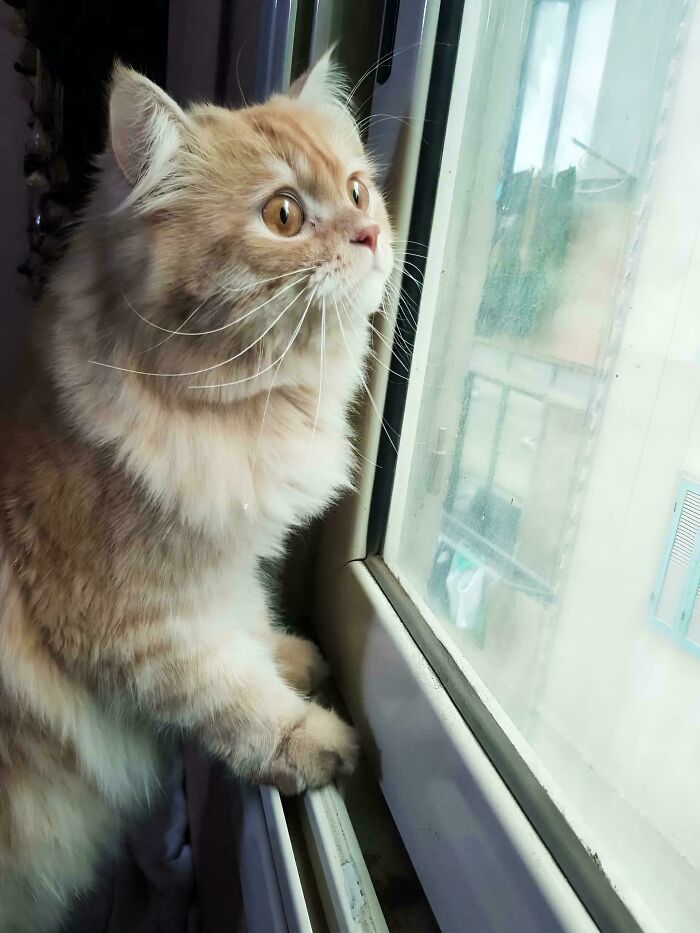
553, 412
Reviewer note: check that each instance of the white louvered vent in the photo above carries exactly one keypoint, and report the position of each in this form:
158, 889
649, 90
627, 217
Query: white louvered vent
680, 560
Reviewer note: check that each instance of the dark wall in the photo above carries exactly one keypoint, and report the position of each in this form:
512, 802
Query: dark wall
77, 42
14, 289
80, 40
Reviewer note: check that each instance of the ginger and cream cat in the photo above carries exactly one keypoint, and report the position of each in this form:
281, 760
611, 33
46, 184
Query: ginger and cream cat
197, 354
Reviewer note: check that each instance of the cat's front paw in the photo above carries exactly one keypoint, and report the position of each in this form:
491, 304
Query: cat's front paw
313, 751
300, 662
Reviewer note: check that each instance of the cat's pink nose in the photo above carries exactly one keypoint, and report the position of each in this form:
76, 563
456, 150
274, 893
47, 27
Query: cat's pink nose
367, 236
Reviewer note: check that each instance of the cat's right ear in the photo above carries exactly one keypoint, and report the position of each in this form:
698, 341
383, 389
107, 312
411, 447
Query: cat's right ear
146, 126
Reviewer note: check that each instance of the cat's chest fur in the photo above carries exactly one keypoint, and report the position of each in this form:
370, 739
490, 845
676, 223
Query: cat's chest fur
249, 475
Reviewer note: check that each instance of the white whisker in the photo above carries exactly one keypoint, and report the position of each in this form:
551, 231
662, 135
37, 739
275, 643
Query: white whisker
205, 369
380, 61
374, 355
362, 379
411, 243
320, 379
221, 385
412, 265
402, 303
232, 289
397, 337
243, 317
394, 340
396, 288
362, 457
215, 330
264, 415
170, 335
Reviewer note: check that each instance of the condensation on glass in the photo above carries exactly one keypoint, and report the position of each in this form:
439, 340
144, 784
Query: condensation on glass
552, 423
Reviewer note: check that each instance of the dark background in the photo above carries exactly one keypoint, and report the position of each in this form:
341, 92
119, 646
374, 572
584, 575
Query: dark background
80, 40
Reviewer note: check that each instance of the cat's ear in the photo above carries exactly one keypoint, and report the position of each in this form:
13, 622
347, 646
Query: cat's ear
323, 84
146, 126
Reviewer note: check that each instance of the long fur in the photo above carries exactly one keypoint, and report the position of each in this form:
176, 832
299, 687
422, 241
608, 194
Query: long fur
188, 408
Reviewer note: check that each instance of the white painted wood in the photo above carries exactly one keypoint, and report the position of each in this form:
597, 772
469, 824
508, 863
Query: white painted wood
292, 894
348, 887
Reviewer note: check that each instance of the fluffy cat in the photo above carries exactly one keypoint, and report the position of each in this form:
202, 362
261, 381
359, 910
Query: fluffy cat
198, 351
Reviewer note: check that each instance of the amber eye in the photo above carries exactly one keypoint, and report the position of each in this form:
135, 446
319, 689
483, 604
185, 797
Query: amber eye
358, 192
283, 215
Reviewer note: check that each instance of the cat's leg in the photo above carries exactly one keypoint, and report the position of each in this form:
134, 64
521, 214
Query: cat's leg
299, 661
24, 909
225, 689
27, 905
53, 832
68, 765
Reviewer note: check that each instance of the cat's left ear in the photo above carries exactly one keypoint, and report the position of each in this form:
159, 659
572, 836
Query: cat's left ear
323, 84
146, 126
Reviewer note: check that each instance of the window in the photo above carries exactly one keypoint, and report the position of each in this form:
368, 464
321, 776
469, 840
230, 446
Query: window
553, 400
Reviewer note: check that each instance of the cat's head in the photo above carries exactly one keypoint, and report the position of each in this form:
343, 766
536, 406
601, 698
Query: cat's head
238, 237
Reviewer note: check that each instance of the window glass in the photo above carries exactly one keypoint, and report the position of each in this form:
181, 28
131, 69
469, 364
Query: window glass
553, 420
